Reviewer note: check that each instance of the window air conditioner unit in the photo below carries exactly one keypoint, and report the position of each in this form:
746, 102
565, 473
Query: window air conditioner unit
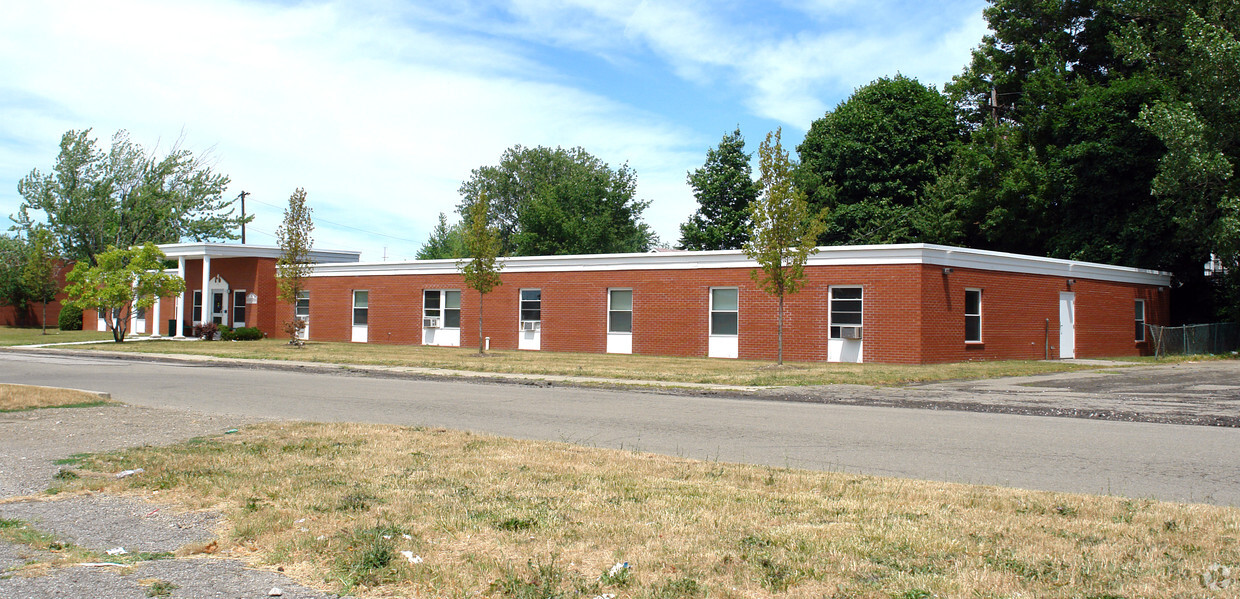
529, 325
850, 332
430, 323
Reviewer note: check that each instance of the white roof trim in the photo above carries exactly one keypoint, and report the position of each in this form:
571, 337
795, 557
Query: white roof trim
232, 250
852, 255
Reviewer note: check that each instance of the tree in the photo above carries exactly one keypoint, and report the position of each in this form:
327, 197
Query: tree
557, 201
1195, 180
94, 199
121, 281
39, 273
724, 188
445, 241
784, 231
482, 244
13, 256
1081, 112
294, 265
869, 160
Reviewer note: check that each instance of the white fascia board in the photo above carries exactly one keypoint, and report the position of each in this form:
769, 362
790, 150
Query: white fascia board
227, 250
854, 255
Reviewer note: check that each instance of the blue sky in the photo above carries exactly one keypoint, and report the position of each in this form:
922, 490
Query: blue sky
380, 109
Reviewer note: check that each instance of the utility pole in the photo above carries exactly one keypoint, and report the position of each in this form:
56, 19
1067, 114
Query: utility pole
243, 194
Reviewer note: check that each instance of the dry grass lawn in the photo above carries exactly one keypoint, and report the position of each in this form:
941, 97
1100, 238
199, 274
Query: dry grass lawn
33, 336
628, 367
336, 504
15, 398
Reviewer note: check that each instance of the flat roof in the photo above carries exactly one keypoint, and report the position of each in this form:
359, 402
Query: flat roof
850, 255
236, 250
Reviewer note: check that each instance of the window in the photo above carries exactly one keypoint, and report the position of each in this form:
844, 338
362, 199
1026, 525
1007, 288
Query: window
442, 304
531, 305
620, 311
724, 311
452, 309
198, 305
361, 309
140, 313
238, 307
973, 315
1140, 315
845, 309
302, 307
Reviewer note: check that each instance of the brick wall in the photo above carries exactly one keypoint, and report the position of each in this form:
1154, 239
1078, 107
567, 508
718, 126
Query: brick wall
913, 313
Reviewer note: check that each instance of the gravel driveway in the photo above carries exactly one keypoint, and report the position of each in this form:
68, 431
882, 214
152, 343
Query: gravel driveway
30, 443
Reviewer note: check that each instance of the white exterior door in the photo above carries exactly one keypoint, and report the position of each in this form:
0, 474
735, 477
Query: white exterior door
1067, 325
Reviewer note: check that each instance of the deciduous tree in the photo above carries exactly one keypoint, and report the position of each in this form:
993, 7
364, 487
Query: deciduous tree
724, 188
482, 245
94, 199
784, 231
868, 161
121, 281
294, 265
557, 201
39, 273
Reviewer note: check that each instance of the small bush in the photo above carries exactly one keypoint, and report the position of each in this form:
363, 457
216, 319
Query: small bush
241, 334
207, 331
70, 318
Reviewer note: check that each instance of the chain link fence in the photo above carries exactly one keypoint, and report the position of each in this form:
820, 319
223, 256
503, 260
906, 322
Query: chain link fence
1216, 338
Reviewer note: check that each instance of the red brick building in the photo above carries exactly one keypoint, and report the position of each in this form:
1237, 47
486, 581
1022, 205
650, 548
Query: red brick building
911, 303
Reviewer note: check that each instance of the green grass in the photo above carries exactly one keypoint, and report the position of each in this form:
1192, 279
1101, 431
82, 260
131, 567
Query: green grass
663, 369
10, 336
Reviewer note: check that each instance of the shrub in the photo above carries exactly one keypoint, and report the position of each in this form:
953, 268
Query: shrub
206, 331
242, 334
70, 318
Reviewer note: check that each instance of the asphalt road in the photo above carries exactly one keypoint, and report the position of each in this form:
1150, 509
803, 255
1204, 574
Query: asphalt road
1163, 461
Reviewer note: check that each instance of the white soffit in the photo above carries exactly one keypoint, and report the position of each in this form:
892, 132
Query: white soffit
227, 250
855, 255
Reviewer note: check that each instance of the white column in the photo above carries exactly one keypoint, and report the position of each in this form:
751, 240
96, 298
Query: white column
133, 310
206, 284
153, 325
180, 306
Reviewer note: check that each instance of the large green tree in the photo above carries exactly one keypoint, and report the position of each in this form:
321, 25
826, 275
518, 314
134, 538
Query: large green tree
122, 281
724, 188
556, 201
868, 161
1101, 132
784, 229
93, 199
13, 256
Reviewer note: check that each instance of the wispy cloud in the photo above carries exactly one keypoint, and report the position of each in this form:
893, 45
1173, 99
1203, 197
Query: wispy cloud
380, 109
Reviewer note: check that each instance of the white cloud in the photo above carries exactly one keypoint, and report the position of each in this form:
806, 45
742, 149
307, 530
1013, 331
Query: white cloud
381, 108
380, 122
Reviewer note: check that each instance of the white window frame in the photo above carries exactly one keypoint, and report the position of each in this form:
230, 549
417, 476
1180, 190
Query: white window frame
303, 295
443, 309
235, 306
521, 306
611, 310
365, 308
1140, 319
736, 311
834, 327
977, 316
197, 311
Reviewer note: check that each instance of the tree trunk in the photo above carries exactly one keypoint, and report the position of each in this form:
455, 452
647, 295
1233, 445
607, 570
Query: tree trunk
44, 319
481, 340
781, 329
